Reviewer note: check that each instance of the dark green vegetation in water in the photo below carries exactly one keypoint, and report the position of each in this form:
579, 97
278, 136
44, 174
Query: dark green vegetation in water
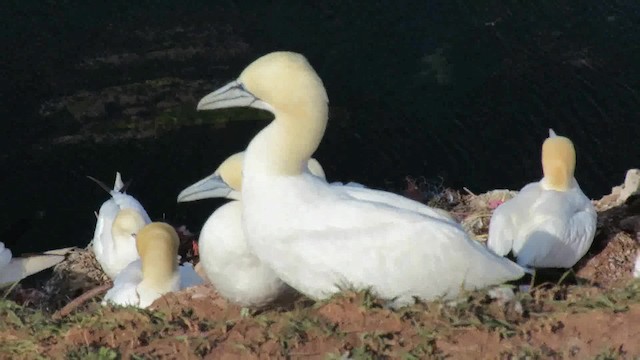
459, 90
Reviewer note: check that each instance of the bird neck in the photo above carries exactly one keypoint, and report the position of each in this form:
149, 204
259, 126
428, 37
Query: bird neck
557, 176
285, 146
159, 269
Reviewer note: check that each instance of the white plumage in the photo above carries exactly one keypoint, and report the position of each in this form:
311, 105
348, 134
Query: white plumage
114, 253
320, 238
157, 271
237, 274
550, 223
15, 269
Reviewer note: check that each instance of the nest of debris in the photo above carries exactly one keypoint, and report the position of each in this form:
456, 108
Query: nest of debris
81, 272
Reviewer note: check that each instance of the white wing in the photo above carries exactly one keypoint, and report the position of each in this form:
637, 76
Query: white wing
363, 193
5, 256
508, 217
350, 183
124, 291
501, 229
20, 268
16, 269
560, 232
394, 250
102, 234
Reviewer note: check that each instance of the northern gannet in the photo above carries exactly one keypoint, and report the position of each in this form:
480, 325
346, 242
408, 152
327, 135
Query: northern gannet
236, 273
319, 238
114, 252
156, 272
14, 269
550, 223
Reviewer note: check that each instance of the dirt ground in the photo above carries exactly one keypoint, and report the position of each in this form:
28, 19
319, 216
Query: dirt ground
593, 313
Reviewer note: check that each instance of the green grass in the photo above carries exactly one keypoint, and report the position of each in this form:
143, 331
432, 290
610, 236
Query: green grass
32, 332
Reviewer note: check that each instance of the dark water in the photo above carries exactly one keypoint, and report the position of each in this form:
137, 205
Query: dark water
444, 90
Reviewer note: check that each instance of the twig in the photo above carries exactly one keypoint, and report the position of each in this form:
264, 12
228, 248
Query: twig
10, 289
564, 276
469, 191
67, 309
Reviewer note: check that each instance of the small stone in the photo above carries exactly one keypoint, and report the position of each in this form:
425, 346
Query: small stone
452, 303
501, 294
517, 307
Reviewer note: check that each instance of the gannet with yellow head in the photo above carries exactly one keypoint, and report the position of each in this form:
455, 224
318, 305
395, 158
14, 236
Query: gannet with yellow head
114, 252
230, 265
550, 223
156, 272
317, 237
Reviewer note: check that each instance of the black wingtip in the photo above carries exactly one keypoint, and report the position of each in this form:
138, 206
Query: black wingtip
126, 185
101, 184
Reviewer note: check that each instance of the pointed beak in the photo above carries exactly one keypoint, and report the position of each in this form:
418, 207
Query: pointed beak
234, 94
210, 187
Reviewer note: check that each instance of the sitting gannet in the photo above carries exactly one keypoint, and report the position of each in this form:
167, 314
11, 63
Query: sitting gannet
636, 267
115, 251
318, 238
15, 269
230, 265
550, 223
156, 272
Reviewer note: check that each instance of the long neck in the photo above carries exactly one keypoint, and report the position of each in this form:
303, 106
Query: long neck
160, 271
558, 176
285, 145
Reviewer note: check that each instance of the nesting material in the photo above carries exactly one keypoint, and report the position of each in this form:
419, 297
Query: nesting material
620, 194
474, 211
79, 272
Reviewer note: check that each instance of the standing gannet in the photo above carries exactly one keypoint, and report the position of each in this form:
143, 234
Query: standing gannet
230, 265
317, 237
156, 272
115, 252
15, 269
550, 223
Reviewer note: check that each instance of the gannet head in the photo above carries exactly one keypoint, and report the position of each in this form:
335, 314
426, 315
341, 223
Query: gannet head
285, 84
558, 162
226, 181
157, 245
278, 82
126, 224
